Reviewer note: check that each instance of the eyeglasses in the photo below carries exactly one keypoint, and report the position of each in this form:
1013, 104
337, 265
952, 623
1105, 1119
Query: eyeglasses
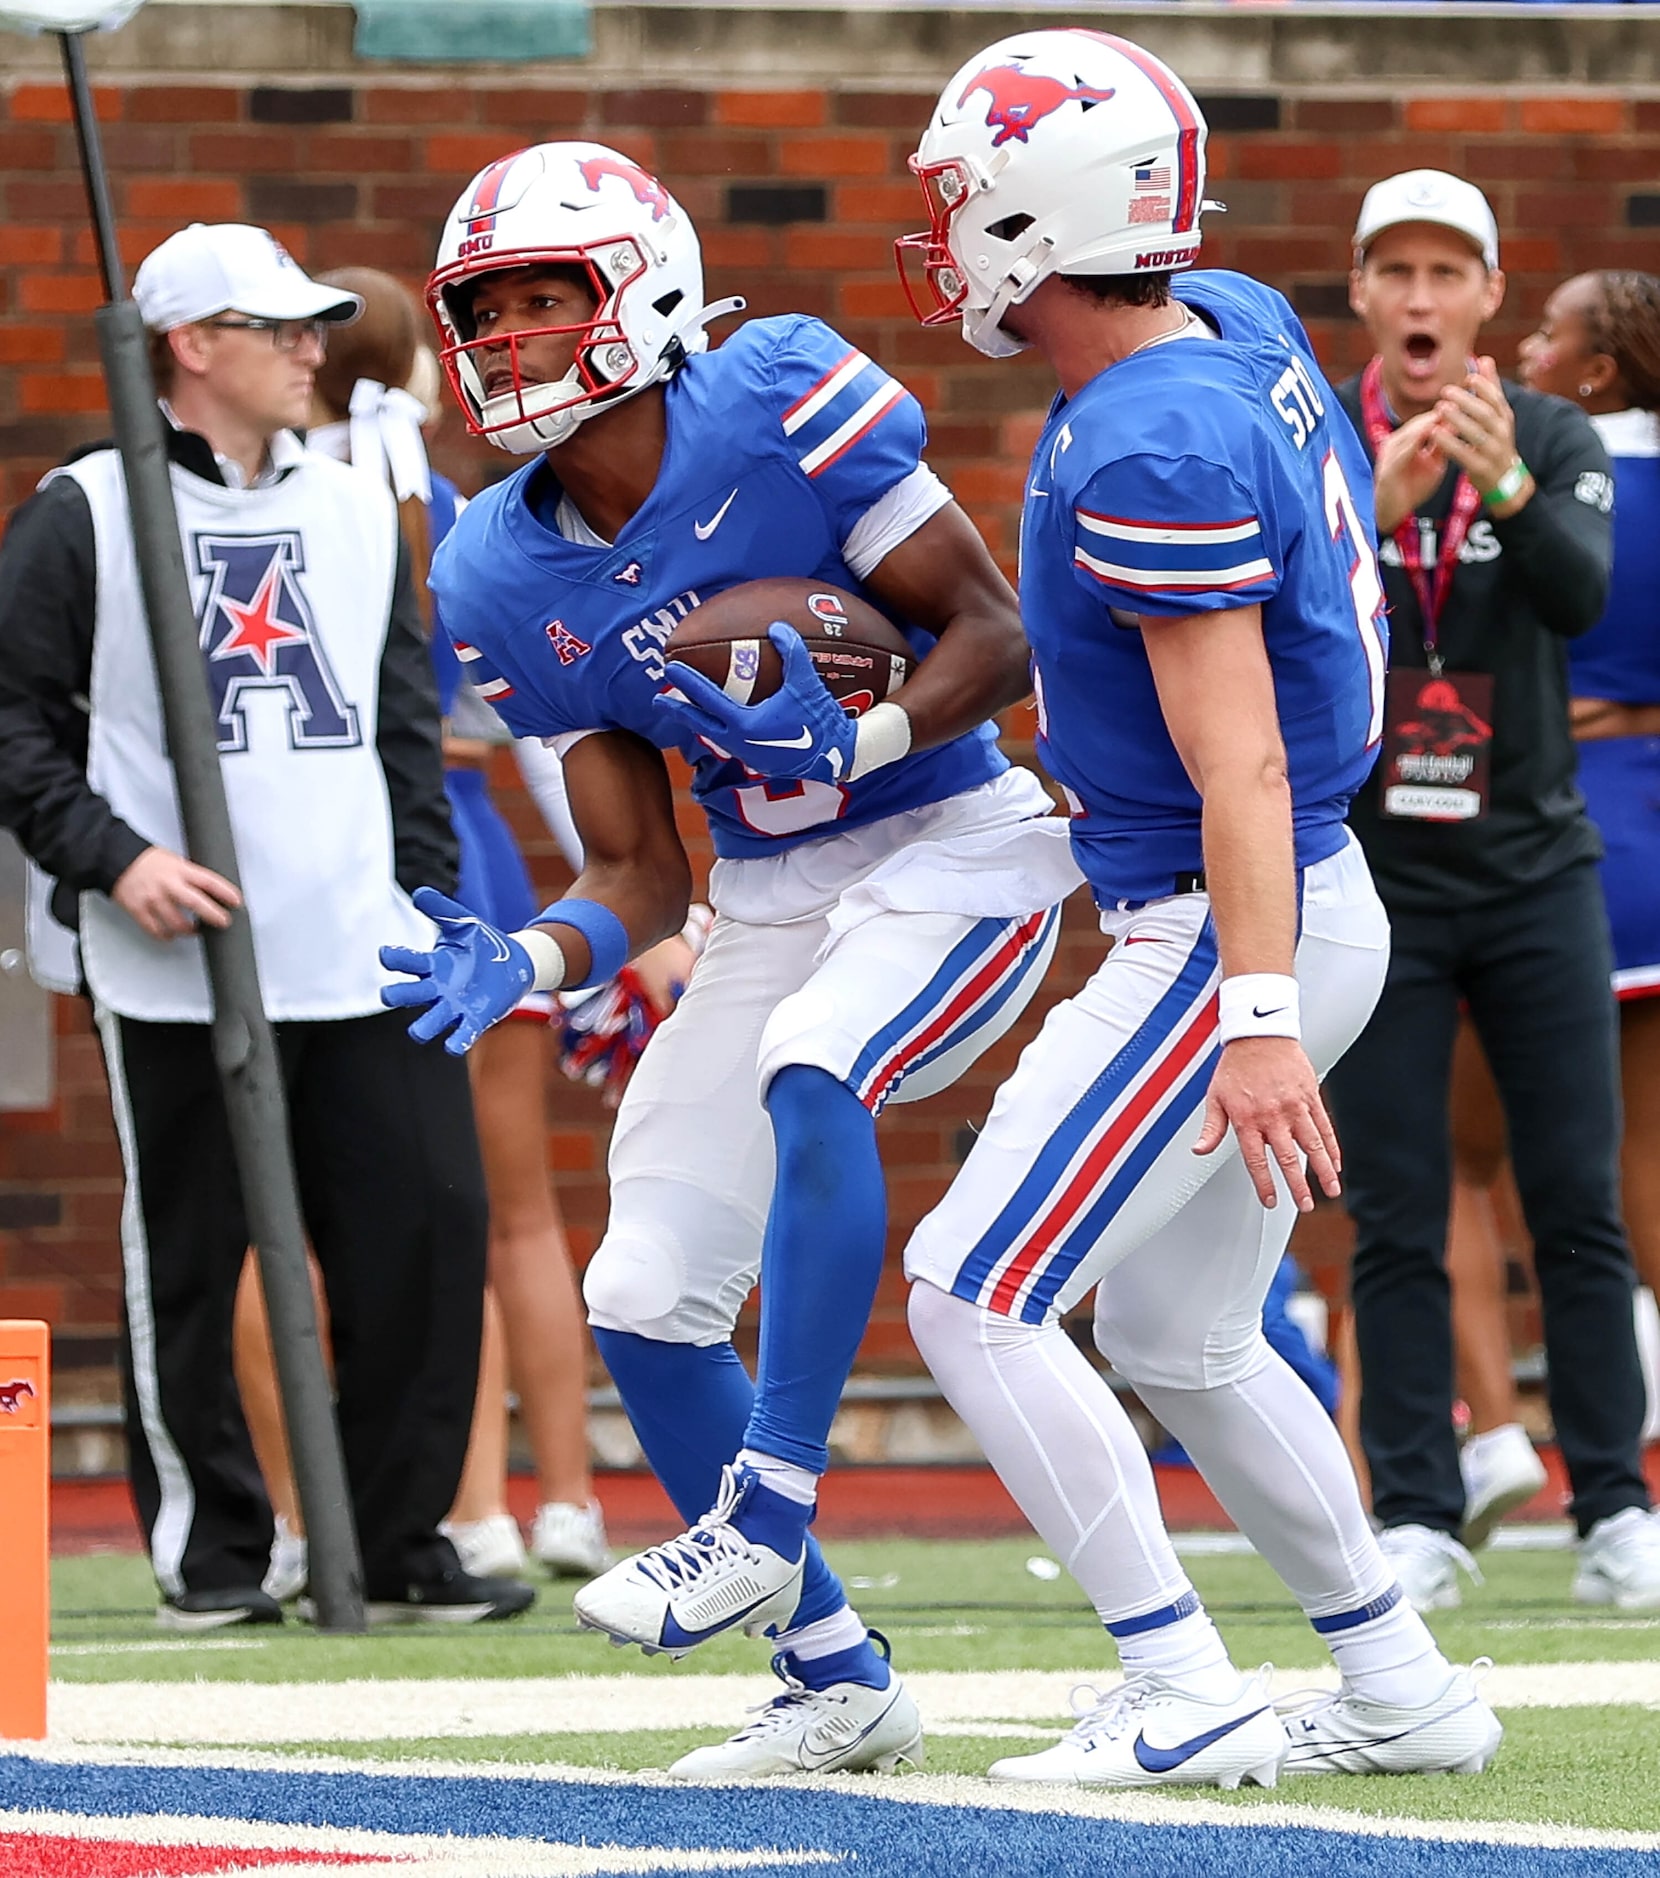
286, 335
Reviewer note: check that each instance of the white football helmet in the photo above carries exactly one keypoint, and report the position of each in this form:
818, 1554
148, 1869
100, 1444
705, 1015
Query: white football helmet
1053, 152
582, 206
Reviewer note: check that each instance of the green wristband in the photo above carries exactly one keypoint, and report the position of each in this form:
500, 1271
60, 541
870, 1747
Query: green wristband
1509, 485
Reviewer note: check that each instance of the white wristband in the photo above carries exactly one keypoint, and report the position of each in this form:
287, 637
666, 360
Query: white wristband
881, 736
1259, 1004
546, 956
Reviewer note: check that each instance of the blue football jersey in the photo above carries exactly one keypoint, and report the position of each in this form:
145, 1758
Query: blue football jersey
1619, 657
778, 442
1192, 477
446, 666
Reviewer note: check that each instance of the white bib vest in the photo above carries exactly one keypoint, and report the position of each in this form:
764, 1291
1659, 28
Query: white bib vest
292, 587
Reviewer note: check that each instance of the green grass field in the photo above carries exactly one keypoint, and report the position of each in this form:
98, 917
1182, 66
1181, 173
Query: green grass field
963, 1606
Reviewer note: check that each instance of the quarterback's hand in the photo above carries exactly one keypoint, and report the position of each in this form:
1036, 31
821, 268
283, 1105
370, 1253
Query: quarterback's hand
1265, 1089
471, 979
799, 732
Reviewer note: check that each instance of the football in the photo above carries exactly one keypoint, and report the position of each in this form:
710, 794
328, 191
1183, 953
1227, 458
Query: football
860, 654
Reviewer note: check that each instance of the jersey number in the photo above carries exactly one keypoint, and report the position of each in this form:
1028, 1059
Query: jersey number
1365, 588
786, 808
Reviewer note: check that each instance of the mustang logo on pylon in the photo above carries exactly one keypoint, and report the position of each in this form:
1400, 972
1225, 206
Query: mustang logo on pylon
647, 189
1020, 99
12, 1394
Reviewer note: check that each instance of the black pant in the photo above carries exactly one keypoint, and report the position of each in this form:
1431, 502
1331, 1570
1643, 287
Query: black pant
1533, 970
393, 1196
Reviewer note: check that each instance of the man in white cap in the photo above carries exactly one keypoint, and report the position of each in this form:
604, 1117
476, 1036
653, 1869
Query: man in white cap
1493, 518
328, 739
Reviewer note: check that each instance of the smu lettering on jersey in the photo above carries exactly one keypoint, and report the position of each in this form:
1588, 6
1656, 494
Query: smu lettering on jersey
777, 443
1192, 477
1619, 657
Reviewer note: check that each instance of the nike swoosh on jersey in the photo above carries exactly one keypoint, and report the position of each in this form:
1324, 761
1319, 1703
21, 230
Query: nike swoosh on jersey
1162, 1760
803, 742
1146, 939
703, 530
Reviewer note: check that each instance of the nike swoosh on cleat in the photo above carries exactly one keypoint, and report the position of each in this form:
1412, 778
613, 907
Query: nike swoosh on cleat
1164, 1760
703, 530
803, 742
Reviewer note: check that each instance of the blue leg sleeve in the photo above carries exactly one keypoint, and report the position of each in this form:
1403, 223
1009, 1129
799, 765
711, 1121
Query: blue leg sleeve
689, 1406
820, 1263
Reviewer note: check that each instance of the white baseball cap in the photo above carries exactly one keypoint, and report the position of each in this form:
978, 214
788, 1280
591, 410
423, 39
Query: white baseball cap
1429, 196
211, 268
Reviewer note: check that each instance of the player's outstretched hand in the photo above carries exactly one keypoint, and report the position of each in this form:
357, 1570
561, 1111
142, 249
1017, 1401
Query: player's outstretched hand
1266, 1090
470, 980
800, 732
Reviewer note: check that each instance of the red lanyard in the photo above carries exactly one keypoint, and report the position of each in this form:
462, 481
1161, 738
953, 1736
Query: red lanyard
1432, 595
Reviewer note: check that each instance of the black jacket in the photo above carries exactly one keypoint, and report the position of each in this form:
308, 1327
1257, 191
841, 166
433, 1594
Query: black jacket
1523, 588
48, 605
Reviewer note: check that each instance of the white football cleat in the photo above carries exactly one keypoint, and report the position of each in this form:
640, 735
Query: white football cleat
1619, 1562
715, 1577
848, 1728
1457, 1733
1501, 1472
1427, 1563
1148, 1733
570, 1539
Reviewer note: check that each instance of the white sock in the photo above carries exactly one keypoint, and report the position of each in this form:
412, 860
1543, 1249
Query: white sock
841, 1630
1188, 1651
794, 1483
1647, 1316
1066, 1450
1272, 1456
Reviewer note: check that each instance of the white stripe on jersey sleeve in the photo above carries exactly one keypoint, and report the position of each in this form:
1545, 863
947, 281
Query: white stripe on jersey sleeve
829, 387
1175, 535
882, 400
1176, 579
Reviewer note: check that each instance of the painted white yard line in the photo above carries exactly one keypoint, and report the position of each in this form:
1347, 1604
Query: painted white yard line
203, 1713
407, 1855
913, 1789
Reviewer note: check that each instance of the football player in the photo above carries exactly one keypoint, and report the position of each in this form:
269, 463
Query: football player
1199, 586
887, 889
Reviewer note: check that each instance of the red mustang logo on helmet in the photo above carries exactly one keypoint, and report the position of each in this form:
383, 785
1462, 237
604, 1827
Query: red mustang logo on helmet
647, 189
1020, 99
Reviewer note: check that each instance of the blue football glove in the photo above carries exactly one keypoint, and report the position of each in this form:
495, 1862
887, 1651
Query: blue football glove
799, 732
471, 979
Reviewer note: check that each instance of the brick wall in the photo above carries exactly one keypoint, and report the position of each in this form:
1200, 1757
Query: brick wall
798, 193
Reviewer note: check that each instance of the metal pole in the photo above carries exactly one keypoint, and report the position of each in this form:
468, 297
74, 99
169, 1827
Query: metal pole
243, 1044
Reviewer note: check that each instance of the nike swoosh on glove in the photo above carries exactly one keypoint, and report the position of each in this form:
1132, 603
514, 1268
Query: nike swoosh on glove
799, 733
470, 980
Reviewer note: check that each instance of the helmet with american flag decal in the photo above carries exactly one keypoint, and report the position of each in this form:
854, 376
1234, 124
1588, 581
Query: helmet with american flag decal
583, 207
1067, 151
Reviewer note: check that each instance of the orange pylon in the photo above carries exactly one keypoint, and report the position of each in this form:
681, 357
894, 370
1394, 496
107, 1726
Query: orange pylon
25, 1474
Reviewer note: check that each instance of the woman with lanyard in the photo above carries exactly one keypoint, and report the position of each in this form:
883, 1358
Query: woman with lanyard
1597, 344
1492, 505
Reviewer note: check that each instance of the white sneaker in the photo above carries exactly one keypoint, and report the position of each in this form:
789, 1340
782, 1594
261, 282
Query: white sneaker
1457, 1733
673, 1597
570, 1539
1619, 1562
1427, 1563
488, 1548
1147, 1733
1646, 1315
285, 1576
1501, 1472
848, 1728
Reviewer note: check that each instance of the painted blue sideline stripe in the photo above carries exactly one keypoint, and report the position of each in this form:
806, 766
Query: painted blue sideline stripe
1348, 1620
982, 1013
1080, 1241
1085, 1115
1185, 1606
982, 938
